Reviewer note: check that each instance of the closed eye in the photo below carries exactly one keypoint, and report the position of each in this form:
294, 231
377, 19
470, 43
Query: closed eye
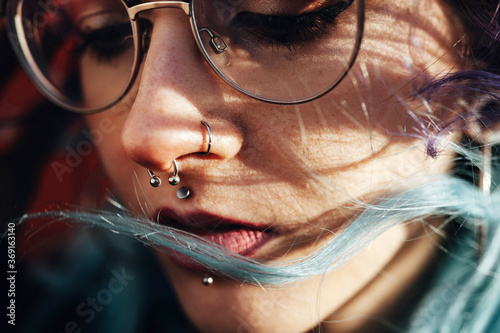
285, 29
108, 42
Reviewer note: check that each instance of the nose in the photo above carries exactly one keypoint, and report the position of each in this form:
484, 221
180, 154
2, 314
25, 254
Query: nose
177, 91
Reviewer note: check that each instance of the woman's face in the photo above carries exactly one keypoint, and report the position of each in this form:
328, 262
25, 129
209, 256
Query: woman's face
279, 180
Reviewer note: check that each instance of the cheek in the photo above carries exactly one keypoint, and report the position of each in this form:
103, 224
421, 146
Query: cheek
414, 48
114, 159
103, 80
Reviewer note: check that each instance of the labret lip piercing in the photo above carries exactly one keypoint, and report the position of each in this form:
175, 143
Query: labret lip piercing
174, 179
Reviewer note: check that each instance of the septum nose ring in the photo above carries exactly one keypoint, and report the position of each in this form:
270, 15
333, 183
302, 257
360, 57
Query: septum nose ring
155, 181
174, 179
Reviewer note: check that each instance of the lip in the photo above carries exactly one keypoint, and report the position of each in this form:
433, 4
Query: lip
241, 237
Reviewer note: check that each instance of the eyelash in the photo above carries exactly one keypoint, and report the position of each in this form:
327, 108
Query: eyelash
270, 30
106, 43
285, 30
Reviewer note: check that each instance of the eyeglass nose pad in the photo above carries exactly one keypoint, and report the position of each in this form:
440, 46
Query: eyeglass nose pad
145, 38
216, 42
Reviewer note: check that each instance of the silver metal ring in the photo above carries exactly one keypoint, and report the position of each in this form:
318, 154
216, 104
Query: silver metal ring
209, 138
173, 180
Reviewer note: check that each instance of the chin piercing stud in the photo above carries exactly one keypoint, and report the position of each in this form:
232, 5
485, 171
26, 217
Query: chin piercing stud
207, 280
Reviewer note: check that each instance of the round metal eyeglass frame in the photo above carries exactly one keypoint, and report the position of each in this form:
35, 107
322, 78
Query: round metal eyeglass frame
134, 7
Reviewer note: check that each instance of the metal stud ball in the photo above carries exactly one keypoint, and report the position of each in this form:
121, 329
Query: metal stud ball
207, 280
155, 181
183, 193
174, 180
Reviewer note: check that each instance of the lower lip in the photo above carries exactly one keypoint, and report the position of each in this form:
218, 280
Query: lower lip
242, 241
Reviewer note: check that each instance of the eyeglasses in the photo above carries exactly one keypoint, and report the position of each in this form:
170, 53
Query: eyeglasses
85, 54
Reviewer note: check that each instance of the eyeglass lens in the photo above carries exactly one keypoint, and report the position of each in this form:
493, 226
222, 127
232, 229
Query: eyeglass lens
85, 50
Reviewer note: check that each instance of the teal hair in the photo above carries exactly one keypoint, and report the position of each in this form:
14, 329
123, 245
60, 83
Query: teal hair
465, 294
444, 196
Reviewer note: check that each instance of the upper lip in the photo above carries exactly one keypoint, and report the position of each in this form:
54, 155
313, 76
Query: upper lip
203, 221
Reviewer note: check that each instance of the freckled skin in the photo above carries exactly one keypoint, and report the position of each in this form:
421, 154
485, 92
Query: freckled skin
292, 167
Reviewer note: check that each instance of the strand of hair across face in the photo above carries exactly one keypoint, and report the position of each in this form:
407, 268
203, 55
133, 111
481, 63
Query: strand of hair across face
445, 196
